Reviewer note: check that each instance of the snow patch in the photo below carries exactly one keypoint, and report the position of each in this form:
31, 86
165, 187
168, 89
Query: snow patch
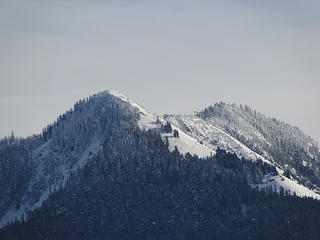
28, 203
276, 182
213, 136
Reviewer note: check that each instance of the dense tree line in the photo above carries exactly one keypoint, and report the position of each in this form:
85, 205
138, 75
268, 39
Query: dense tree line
135, 188
16, 169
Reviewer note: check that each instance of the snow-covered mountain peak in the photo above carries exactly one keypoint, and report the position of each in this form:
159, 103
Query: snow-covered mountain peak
76, 137
148, 120
185, 143
126, 99
65, 147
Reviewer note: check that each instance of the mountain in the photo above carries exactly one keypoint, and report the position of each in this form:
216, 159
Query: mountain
254, 136
110, 169
34, 167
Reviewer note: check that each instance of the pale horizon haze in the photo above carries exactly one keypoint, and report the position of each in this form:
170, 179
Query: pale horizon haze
168, 56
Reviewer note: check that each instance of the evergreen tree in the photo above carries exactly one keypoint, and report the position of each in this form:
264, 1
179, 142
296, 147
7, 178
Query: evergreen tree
175, 133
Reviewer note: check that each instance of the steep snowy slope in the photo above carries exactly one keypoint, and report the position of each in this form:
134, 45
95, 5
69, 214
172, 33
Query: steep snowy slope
256, 129
53, 168
214, 137
185, 143
280, 181
276, 140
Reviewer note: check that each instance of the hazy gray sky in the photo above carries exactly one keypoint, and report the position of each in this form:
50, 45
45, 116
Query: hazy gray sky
170, 56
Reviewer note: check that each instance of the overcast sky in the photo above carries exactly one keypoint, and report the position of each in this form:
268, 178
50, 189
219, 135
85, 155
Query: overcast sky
169, 56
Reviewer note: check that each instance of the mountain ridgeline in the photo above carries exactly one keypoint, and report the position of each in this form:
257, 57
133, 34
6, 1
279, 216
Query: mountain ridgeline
109, 169
283, 144
234, 128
